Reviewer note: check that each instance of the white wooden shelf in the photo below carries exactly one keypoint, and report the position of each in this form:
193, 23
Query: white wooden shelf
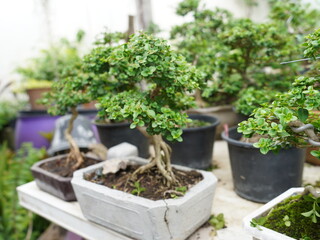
65, 214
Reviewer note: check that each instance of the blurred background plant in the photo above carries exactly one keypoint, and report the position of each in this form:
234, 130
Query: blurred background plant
52, 63
236, 54
10, 106
15, 221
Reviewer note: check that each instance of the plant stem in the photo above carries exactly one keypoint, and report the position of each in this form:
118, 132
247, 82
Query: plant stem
161, 160
74, 149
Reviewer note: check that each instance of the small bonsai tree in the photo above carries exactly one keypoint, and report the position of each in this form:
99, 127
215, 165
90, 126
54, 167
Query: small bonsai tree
233, 54
65, 95
249, 56
150, 90
197, 39
293, 118
81, 85
291, 109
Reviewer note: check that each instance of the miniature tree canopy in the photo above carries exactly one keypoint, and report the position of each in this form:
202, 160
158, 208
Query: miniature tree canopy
150, 90
290, 110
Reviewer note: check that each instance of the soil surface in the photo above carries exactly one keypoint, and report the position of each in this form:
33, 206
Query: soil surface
151, 181
64, 169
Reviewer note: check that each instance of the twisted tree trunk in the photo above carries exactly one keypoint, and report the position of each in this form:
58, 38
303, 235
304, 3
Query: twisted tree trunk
75, 153
161, 160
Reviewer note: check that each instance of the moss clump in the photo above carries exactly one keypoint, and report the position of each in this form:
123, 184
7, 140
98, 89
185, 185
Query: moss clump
300, 227
198, 123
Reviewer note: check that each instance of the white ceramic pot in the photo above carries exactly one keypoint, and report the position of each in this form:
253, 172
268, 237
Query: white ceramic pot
265, 233
141, 218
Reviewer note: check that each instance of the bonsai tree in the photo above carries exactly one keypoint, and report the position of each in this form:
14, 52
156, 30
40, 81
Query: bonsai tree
234, 54
65, 95
292, 119
249, 56
81, 85
150, 85
197, 39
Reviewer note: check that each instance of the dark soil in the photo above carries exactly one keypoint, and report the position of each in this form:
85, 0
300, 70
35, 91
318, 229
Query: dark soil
301, 227
61, 168
151, 180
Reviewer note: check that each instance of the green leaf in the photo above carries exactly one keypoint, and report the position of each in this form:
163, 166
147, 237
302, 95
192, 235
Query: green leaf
307, 214
315, 153
151, 113
303, 114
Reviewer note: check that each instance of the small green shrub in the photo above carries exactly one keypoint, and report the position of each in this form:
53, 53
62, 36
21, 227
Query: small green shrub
15, 221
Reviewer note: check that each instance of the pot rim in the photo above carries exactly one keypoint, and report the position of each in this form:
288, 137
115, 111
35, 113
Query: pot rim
266, 233
234, 141
36, 167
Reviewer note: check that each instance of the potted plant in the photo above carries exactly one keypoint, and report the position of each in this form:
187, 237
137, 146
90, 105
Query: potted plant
196, 40
54, 175
35, 124
234, 54
290, 121
196, 149
111, 132
156, 109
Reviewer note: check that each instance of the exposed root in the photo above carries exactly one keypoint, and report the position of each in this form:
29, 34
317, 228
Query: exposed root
161, 161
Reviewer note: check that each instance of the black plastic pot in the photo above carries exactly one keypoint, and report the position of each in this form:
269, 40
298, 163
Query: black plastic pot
116, 133
52, 183
258, 177
196, 149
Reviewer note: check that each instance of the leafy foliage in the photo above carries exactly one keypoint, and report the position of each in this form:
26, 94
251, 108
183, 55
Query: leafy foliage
218, 222
249, 56
234, 54
14, 171
9, 111
197, 39
274, 120
314, 213
165, 76
312, 44
138, 189
299, 105
87, 80
250, 99
296, 16
109, 38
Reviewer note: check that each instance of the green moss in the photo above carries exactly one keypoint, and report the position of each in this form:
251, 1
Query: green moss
300, 226
198, 123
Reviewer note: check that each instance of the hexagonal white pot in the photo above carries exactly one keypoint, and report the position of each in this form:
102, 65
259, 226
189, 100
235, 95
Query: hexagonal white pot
265, 233
141, 218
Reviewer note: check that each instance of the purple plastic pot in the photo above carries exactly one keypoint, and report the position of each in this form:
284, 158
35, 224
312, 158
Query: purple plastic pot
30, 126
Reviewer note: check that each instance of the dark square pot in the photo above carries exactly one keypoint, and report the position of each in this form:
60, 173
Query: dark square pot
52, 183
